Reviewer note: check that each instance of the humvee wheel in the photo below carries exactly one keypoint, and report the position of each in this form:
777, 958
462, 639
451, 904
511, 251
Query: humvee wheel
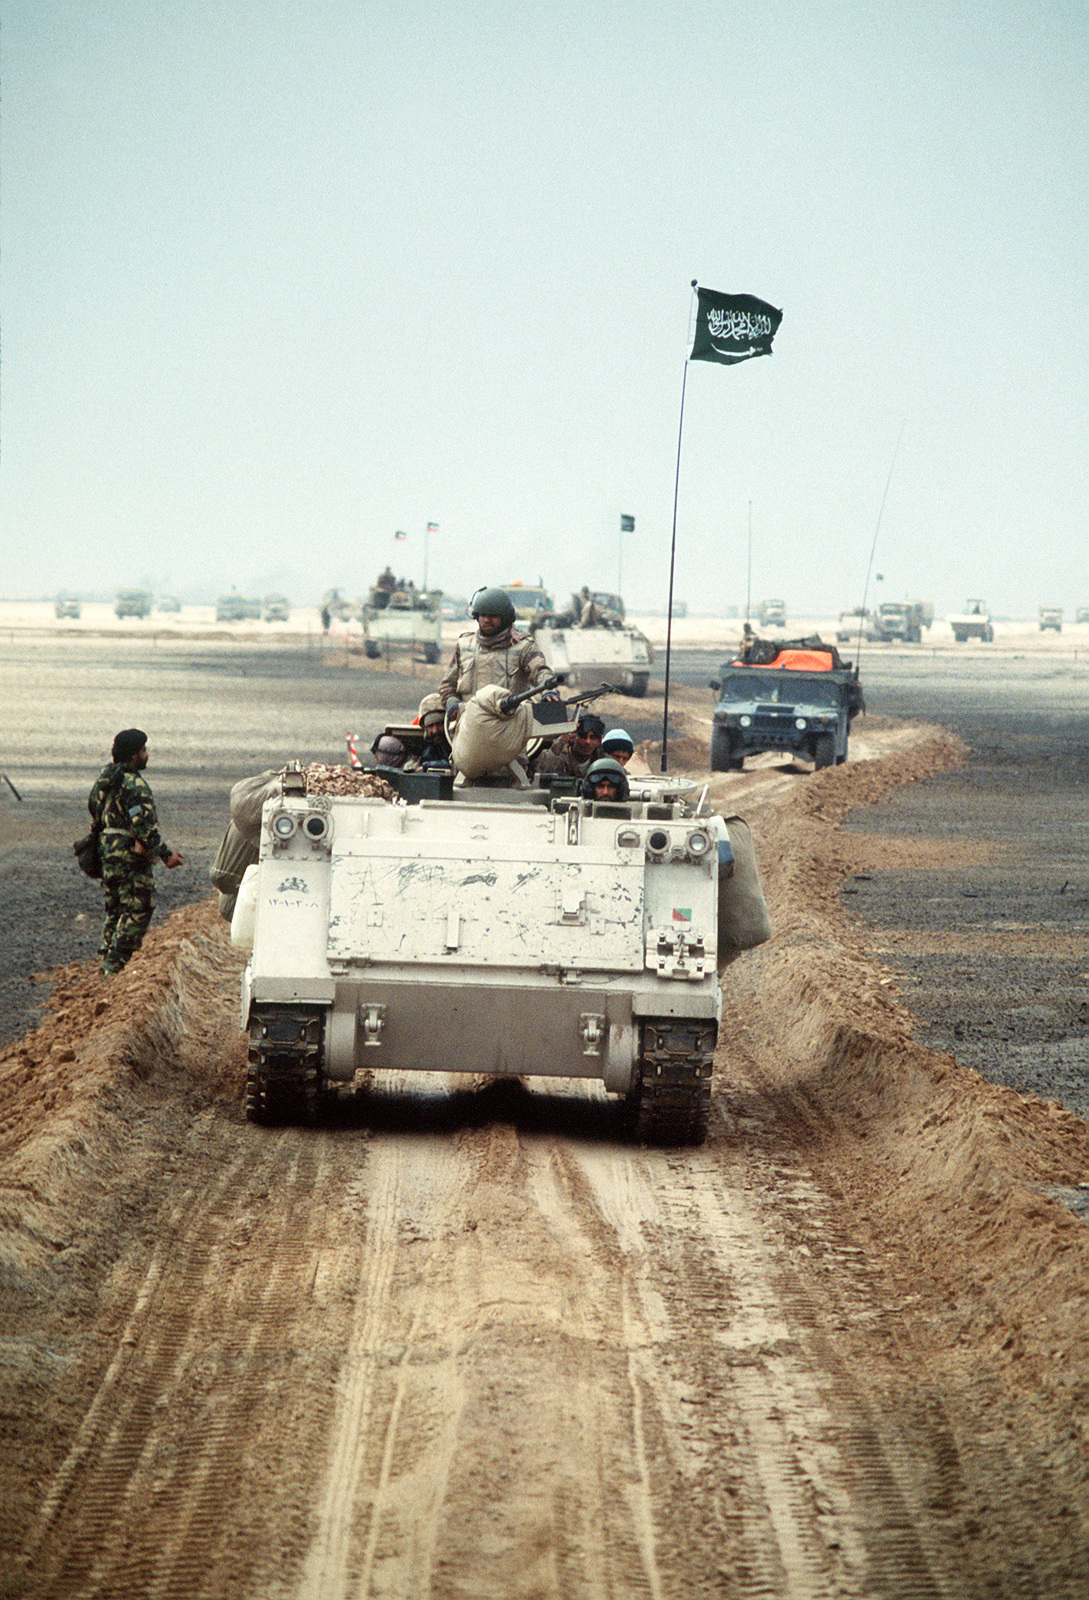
670, 1097
720, 750
371, 649
824, 750
639, 681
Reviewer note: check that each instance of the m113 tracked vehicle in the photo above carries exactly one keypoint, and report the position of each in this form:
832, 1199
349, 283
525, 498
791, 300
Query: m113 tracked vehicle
520, 931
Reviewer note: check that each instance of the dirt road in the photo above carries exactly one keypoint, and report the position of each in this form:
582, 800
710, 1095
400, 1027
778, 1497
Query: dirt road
465, 1341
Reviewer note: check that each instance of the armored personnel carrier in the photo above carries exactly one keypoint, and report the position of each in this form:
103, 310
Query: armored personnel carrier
591, 641
486, 930
974, 622
407, 619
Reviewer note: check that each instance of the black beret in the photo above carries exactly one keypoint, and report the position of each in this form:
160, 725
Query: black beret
589, 722
128, 743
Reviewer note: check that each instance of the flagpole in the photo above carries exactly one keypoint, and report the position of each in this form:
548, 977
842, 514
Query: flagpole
427, 529
672, 562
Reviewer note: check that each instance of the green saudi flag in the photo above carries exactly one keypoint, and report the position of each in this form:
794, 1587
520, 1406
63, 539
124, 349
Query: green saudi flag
732, 327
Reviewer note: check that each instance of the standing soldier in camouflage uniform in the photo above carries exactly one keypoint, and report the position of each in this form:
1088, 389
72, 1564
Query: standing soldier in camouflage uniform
123, 812
495, 653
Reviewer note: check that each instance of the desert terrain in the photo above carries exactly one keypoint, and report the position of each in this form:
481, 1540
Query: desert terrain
464, 1340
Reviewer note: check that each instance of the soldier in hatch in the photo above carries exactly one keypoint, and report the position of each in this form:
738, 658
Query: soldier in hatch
573, 752
495, 653
123, 813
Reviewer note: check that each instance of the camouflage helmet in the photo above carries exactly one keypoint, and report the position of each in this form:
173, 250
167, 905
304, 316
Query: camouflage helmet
493, 603
606, 767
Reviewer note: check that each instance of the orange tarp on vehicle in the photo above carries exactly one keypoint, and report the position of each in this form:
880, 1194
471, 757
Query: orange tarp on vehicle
804, 660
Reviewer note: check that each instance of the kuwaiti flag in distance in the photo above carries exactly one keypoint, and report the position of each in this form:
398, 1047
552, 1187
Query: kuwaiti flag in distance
399, 535
732, 327
432, 527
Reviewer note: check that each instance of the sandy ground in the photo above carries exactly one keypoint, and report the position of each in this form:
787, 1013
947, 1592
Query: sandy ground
464, 1340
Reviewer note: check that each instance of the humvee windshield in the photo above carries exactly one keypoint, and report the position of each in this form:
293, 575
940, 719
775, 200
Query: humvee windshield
790, 689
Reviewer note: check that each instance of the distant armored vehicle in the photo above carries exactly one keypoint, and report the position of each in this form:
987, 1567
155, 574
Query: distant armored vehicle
231, 608
903, 619
581, 653
855, 624
798, 698
277, 608
133, 603
529, 600
1051, 617
67, 605
973, 623
407, 619
509, 932
771, 614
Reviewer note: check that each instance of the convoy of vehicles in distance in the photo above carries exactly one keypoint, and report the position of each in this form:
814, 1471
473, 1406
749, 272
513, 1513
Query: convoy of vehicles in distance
526, 931
1082, 614
771, 614
407, 620
133, 603
277, 608
168, 602
67, 605
1051, 617
799, 699
974, 622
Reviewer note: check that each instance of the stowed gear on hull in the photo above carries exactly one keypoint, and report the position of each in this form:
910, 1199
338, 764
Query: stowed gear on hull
510, 932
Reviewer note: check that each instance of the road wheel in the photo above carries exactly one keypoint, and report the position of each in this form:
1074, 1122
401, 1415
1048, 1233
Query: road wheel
431, 654
639, 681
371, 649
824, 750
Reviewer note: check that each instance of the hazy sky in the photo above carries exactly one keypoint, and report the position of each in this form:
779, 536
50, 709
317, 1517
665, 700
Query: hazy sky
281, 277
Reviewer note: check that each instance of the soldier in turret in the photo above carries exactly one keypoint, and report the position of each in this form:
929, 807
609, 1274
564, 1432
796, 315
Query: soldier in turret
495, 653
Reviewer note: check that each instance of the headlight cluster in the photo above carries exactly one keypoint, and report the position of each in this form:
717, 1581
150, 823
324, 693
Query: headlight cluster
661, 846
315, 826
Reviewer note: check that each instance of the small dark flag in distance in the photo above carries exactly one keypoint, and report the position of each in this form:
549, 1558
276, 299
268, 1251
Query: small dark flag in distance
732, 327
627, 524
400, 535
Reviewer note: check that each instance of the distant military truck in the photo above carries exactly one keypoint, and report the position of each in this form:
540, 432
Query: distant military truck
903, 619
277, 608
771, 614
133, 603
406, 619
66, 605
974, 622
1051, 617
230, 608
798, 698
